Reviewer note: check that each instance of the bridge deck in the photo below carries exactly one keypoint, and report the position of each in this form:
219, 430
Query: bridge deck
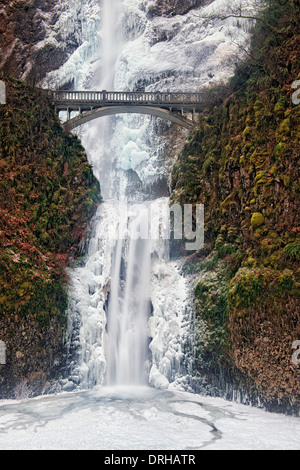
91, 99
90, 105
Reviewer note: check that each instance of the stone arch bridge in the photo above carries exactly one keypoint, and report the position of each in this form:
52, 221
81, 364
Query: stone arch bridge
84, 106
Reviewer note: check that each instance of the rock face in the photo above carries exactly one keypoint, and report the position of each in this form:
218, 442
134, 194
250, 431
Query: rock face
47, 196
34, 356
22, 26
173, 7
243, 165
37, 36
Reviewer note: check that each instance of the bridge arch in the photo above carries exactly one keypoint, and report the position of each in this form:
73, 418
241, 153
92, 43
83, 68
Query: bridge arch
162, 113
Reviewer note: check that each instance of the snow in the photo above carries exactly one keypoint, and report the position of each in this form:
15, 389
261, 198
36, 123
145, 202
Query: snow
141, 419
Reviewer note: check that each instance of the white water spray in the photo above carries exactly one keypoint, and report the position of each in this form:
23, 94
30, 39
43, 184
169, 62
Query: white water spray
111, 11
128, 313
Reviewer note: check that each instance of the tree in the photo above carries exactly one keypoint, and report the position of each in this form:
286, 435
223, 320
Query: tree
250, 10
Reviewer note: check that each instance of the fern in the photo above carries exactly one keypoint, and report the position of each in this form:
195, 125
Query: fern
292, 250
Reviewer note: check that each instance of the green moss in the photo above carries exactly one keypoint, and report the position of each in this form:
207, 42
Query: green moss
257, 220
281, 149
247, 131
228, 200
287, 280
211, 300
280, 107
259, 286
284, 128
219, 241
47, 195
250, 261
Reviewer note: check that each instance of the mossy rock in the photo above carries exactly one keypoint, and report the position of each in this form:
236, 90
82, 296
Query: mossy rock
257, 220
285, 127
279, 108
247, 132
280, 149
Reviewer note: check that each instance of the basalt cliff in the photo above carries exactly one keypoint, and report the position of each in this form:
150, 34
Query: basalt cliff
242, 163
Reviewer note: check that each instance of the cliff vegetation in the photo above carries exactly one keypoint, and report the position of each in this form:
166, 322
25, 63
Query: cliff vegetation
47, 195
242, 163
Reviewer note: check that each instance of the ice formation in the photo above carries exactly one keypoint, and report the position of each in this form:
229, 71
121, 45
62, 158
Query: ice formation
124, 49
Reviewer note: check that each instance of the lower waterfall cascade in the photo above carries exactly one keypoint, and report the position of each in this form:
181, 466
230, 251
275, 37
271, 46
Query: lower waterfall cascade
129, 309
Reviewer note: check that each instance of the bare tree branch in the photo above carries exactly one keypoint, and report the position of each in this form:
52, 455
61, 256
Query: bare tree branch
243, 10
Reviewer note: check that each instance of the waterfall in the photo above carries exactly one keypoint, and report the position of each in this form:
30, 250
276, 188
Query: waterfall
110, 42
130, 307
128, 311
110, 299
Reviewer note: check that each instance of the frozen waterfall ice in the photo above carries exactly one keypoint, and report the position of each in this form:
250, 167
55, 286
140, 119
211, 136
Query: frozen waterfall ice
117, 333
129, 304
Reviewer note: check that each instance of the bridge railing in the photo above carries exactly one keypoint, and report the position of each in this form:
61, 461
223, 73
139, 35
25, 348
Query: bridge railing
110, 97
